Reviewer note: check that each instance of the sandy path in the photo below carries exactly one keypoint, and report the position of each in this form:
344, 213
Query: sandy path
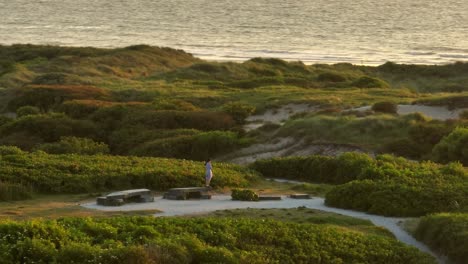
222, 202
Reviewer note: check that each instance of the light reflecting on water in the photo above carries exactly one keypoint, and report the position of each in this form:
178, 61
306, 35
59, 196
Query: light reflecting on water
356, 31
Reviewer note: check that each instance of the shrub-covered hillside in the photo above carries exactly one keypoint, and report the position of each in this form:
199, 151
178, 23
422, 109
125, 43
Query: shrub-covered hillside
203, 240
150, 101
43, 173
385, 185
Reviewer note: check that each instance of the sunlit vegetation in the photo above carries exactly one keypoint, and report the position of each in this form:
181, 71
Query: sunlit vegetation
446, 234
413, 136
385, 185
78, 108
195, 240
304, 215
39, 172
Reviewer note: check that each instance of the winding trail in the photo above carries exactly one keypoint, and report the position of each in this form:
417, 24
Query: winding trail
223, 202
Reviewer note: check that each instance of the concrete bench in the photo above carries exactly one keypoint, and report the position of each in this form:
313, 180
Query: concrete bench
188, 193
300, 196
127, 196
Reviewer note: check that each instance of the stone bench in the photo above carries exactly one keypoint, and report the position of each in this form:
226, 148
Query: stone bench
188, 193
269, 198
300, 196
127, 196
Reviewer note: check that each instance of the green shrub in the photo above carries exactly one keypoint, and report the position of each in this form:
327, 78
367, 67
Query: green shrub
239, 111
4, 120
464, 115
398, 187
75, 145
331, 77
10, 150
316, 168
446, 234
453, 147
14, 192
385, 107
370, 82
46, 128
198, 240
71, 173
244, 195
198, 146
27, 110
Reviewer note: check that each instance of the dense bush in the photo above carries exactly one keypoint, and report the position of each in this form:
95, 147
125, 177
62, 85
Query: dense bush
239, 111
46, 97
46, 128
4, 120
10, 150
244, 195
143, 116
453, 147
198, 146
27, 110
72, 173
398, 187
331, 77
74, 145
398, 199
464, 115
385, 185
370, 82
385, 107
321, 169
446, 234
14, 191
203, 240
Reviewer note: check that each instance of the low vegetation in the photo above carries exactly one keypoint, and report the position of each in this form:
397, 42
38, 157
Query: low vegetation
385, 185
244, 195
195, 240
45, 173
446, 234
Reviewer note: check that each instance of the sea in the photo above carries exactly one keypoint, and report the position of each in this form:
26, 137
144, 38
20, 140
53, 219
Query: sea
362, 32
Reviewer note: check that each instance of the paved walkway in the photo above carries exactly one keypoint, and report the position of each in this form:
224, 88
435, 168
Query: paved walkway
222, 202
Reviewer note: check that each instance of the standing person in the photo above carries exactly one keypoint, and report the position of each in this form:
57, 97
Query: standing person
208, 172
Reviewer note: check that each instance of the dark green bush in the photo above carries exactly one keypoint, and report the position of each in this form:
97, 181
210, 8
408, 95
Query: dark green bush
239, 111
316, 168
244, 195
331, 77
46, 128
75, 145
197, 146
14, 191
10, 150
46, 173
464, 115
446, 234
370, 82
385, 107
27, 110
453, 147
197, 240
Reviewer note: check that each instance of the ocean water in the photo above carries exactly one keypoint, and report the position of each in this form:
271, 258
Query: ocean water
367, 32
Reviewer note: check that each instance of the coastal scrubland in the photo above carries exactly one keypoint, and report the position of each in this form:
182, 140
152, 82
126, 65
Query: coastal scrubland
83, 121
